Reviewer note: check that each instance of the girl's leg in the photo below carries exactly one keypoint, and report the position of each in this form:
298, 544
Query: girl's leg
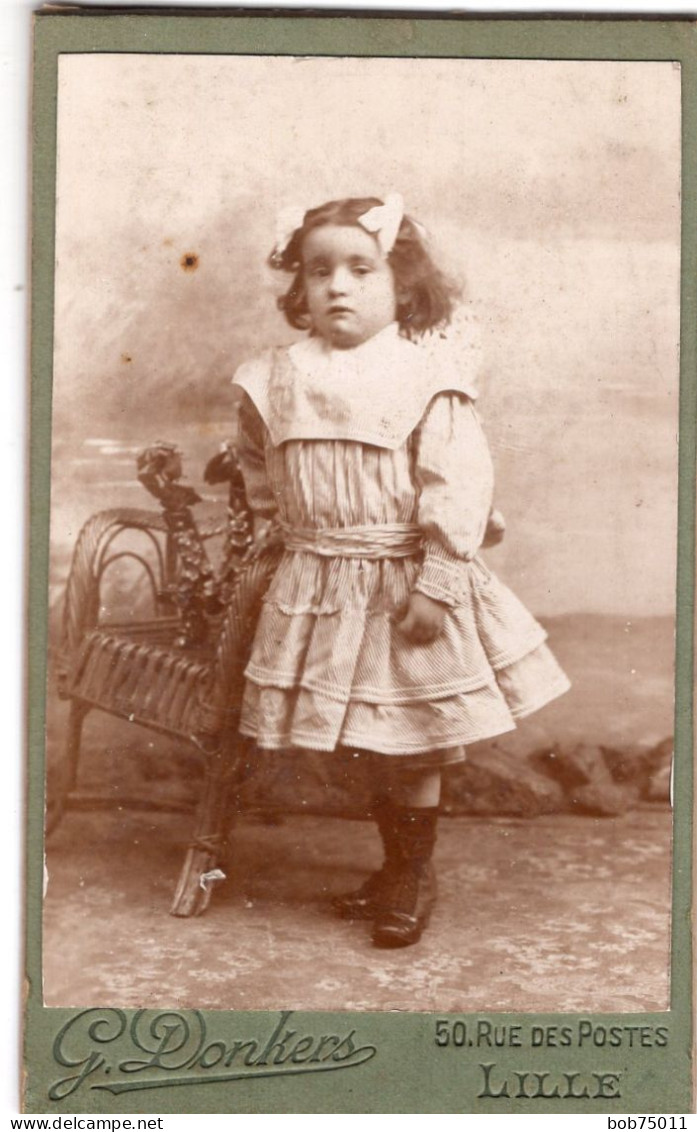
364, 902
410, 893
405, 809
393, 788
417, 788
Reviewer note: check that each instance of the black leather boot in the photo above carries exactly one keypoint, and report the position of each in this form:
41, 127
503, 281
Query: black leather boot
410, 893
365, 902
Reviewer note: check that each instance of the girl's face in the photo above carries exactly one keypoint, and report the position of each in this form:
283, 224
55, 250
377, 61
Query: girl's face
350, 287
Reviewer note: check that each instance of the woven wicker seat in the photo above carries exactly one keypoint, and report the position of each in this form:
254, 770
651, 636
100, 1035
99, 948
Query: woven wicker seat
136, 672
178, 672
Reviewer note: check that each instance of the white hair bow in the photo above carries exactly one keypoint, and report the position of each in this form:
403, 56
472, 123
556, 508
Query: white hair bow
287, 223
384, 220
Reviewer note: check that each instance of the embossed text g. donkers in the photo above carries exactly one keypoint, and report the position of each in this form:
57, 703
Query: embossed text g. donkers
172, 1047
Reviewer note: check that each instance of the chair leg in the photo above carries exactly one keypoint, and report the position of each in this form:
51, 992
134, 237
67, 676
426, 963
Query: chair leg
201, 870
58, 792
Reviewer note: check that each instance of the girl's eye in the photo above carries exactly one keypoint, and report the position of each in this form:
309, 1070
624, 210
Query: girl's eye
318, 272
361, 269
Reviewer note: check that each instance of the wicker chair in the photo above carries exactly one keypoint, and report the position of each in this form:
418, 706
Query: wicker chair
180, 672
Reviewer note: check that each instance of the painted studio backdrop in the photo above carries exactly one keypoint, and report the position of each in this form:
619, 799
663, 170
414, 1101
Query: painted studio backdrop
551, 192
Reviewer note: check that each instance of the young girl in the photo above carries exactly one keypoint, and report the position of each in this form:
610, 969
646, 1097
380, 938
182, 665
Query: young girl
382, 632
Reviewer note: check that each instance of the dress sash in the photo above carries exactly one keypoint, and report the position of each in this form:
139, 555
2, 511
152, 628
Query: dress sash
386, 540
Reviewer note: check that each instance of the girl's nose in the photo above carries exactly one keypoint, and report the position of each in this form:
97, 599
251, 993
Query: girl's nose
338, 281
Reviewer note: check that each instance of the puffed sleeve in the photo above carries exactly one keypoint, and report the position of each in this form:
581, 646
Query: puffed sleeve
250, 453
454, 474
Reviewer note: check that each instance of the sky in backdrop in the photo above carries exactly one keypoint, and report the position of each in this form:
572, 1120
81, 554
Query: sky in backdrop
551, 190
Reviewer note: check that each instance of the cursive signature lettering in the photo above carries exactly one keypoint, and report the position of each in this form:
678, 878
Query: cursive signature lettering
174, 1049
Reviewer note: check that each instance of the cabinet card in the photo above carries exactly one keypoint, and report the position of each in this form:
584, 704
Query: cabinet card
524, 244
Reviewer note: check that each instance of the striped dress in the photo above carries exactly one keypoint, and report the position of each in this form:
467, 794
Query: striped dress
366, 524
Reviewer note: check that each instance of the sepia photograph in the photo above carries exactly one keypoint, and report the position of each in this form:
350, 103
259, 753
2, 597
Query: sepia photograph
363, 533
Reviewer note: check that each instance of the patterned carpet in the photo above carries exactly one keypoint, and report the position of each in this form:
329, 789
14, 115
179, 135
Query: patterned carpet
557, 913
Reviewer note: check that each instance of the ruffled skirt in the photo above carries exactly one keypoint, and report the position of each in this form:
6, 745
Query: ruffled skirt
331, 669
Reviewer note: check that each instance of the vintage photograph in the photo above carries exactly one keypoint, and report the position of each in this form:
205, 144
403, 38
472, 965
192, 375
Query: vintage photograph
363, 530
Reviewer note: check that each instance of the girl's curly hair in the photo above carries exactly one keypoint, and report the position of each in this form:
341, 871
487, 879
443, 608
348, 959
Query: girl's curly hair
425, 296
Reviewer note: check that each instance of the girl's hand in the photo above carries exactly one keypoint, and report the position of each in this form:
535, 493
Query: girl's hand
423, 620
